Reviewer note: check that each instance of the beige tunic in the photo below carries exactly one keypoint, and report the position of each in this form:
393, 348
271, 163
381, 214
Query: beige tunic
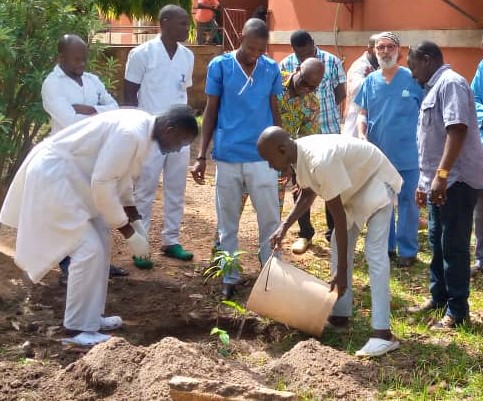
333, 165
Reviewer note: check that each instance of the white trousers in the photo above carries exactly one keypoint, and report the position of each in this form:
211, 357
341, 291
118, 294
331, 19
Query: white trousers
174, 167
379, 268
260, 181
88, 278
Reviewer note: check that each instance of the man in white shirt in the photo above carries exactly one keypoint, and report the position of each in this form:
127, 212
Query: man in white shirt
157, 76
75, 186
70, 94
358, 184
356, 75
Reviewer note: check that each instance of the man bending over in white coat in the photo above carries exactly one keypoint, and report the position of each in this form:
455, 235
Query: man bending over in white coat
76, 185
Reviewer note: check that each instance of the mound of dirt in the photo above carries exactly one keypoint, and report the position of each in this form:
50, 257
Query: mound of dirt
326, 373
117, 370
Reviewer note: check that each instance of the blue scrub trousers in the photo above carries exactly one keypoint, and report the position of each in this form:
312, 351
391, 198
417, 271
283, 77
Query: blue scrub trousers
404, 237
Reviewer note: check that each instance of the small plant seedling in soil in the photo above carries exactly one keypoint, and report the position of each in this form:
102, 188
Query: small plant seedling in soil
224, 338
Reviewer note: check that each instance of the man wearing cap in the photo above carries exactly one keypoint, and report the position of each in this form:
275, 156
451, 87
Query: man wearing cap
389, 102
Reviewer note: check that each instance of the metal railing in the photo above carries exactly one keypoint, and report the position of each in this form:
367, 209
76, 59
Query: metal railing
126, 34
233, 21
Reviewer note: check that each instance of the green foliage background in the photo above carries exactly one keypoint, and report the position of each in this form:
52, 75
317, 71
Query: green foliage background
138, 8
29, 31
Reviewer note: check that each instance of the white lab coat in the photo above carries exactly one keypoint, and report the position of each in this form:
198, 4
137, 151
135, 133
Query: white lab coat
355, 77
60, 92
82, 173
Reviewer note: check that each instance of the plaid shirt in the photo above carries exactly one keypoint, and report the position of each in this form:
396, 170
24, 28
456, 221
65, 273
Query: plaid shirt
300, 114
334, 75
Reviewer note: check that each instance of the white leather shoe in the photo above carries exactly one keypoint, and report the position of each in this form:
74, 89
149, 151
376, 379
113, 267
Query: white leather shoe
301, 245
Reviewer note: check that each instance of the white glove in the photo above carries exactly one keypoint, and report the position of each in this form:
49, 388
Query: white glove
139, 228
138, 245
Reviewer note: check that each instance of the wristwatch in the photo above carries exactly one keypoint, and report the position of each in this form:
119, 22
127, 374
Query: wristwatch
442, 173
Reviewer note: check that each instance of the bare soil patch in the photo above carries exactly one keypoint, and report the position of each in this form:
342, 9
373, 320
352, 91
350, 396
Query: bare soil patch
168, 314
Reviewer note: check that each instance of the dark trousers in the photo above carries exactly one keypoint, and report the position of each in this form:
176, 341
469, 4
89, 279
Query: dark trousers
306, 229
449, 230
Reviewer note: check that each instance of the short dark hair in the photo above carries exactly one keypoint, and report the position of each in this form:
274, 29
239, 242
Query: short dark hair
170, 11
67, 40
301, 38
180, 116
428, 48
257, 28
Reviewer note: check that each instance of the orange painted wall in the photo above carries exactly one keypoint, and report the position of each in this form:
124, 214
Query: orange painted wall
378, 15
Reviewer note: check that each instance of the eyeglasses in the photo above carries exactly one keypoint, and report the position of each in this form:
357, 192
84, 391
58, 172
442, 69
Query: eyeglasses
306, 84
390, 47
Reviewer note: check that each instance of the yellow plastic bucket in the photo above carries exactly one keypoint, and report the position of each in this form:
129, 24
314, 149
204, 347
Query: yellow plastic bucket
291, 296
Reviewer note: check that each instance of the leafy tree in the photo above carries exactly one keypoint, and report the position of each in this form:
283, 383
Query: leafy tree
29, 31
138, 8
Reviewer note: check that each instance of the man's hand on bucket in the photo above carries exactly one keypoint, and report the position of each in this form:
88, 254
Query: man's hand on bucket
339, 282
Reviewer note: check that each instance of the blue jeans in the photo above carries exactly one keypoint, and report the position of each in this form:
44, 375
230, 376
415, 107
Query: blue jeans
405, 236
449, 230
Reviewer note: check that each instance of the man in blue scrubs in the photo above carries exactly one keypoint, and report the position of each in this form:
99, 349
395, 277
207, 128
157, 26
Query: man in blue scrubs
390, 99
477, 88
242, 88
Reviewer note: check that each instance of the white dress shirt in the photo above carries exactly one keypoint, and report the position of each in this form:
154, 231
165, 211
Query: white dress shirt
60, 92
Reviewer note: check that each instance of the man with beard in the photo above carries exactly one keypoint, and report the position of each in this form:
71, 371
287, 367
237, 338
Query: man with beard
356, 75
242, 88
389, 100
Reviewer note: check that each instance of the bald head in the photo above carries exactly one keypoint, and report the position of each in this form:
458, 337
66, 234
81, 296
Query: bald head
313, 66
272, 137
255, 28
307, 79
277, 148
72, 57
171, 11
68, 40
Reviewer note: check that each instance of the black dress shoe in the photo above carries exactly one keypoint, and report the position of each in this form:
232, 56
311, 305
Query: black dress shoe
116, 271
228, 291
406, 261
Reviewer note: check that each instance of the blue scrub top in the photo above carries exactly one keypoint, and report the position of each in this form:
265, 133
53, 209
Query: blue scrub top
244, 109
392, 115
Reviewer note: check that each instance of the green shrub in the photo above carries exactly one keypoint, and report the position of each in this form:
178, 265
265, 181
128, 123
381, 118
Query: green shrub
29, 31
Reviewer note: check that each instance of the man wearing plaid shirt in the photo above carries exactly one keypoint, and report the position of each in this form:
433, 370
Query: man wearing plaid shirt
331, 92
300, 109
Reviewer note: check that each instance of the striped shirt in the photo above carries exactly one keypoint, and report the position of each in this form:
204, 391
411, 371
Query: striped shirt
334, 75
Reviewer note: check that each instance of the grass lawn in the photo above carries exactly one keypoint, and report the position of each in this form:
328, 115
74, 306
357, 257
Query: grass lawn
429, 365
